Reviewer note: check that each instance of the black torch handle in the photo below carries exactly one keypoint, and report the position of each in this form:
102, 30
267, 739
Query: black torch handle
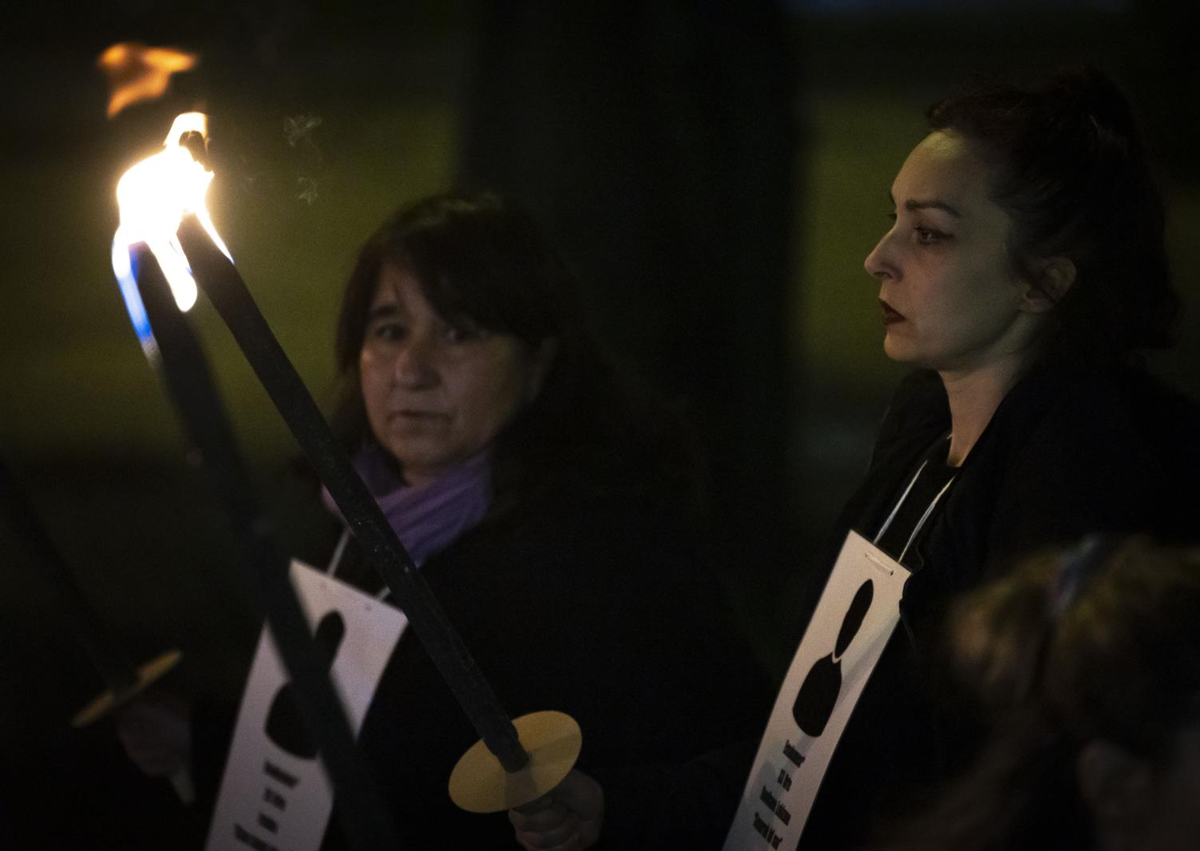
228, 294
184, 369
107, 655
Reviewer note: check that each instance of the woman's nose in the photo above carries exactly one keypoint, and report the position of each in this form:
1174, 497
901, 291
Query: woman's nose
880, 263
416, 363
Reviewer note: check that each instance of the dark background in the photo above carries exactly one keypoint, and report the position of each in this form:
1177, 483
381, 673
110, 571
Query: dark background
716, 172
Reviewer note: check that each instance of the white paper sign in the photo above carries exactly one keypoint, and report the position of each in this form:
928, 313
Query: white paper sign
855, 617
275, 795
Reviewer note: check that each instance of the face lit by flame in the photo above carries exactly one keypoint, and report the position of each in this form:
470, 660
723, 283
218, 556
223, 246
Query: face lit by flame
154, 196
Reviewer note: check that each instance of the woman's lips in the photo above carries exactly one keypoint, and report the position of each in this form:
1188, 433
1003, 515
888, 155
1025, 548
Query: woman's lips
416, 416
890, 315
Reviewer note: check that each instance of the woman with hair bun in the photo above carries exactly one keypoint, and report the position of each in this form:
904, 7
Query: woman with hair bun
1022, 275
1086, 661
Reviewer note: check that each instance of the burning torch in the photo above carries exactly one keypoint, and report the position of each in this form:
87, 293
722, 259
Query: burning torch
158, 288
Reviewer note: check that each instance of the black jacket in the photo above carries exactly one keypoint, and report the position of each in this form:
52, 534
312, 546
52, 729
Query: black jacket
1069, 451
599, 606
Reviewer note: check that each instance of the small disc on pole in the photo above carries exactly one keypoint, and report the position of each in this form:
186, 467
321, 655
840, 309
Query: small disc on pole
479, 783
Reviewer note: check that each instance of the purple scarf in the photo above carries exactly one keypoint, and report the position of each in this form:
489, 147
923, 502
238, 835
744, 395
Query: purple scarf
429, 518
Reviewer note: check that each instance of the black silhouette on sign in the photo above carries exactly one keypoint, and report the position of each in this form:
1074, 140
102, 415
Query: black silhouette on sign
284, 726
819, 692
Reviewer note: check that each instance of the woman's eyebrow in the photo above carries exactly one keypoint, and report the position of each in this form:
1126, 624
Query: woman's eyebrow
913, 205
383, 311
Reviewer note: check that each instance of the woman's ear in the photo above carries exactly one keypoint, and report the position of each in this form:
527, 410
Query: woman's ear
540, 361
1117, 787
1054, 277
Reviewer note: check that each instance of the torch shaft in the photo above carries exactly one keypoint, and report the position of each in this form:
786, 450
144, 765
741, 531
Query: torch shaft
229, 295
184, 370
107, 655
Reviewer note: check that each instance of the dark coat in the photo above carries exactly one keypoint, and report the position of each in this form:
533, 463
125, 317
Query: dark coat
598, 606
1069, 451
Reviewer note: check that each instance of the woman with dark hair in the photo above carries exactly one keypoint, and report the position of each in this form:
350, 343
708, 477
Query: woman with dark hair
1022, 275
552, 506
486, 271
1085, 660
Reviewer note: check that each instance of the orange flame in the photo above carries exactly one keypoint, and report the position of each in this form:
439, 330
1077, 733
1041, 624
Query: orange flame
136, 72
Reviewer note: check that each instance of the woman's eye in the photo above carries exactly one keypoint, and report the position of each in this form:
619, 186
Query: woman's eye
926, 236
462, 332
390, 332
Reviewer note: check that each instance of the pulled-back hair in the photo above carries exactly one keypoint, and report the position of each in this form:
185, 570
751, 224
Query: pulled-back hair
481, 260
1094, 644
1071, 171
